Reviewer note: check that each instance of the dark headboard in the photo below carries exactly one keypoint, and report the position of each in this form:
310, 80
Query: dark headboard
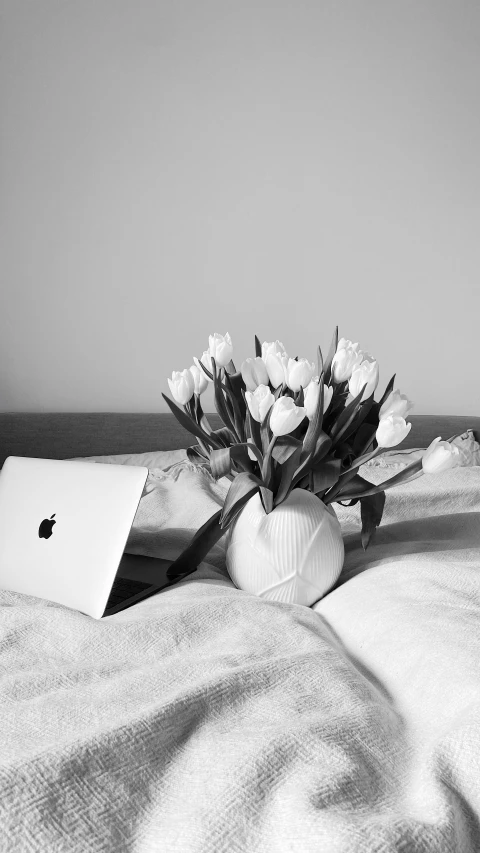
64, 435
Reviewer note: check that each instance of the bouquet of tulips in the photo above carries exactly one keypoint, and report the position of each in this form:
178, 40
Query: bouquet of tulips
290, 423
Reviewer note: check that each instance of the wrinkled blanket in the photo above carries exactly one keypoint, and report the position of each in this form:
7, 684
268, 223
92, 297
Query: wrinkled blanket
206, 720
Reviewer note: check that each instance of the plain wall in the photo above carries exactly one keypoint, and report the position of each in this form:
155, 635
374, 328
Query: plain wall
170, 168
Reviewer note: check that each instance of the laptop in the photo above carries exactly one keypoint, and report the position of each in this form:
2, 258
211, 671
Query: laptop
63, 530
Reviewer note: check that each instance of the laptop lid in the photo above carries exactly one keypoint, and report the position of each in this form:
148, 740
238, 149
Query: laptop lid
64, 527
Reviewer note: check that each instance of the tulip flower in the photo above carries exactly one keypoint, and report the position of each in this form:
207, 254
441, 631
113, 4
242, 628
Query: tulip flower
206, 360
285, 416
391, 431
299, 374
254, 373
367, 372
181, 386
311, 394
273, 348
259, 402
347, 357
220, 348
276, 366
200, 380
440, 456
396, 404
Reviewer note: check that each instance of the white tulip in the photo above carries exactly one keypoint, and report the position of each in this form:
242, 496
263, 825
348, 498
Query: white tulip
181, 386
396, 404
285, 416
273, 348
310, 397
206, 360
200, 380
347, 357
220, 348
259, 402
276, 366
368, 373
254, 373
299, 374
391, 431
440, 456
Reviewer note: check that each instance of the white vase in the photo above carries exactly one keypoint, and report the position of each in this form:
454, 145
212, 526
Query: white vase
294, 554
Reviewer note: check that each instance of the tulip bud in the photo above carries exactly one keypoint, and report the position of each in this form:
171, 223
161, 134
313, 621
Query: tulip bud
273, 348
299, 374
200, 380
347, 357
206, 360
285, 416
220, 348
181, 386
396, 404
368, 373
310, 397
276, 367
254, 373
259, 402
440, 456
391, 431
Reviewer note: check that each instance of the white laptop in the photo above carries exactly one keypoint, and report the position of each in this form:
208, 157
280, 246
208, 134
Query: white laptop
63, 530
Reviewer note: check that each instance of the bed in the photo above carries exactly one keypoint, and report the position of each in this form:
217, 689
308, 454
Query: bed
207, 720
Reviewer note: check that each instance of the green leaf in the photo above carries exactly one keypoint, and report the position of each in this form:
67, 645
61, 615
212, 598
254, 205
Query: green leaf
238, 415
388, 389
220, 462
258, 348
196, 453
409, 473
320, 360
358, 420
300, 398
265, 431
267, 463
285, 445
221, 405
253, 430
237, 387
346, 417
315, 425
323, 445
266, 496
326, 475
287, 479
203, 541
364, 438
200, 416
205, 369
224, 436
371, 511
241, 490
239, 455
244, 447
327, 367
190, 425
355, 484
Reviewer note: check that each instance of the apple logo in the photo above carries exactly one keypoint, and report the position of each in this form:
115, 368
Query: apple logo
46, 528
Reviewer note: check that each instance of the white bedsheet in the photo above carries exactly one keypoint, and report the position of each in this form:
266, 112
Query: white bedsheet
206, 720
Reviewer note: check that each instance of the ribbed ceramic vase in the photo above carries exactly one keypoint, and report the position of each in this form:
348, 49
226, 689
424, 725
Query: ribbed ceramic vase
294, 554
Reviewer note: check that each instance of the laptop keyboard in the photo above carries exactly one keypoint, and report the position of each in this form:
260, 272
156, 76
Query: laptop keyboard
124, 588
